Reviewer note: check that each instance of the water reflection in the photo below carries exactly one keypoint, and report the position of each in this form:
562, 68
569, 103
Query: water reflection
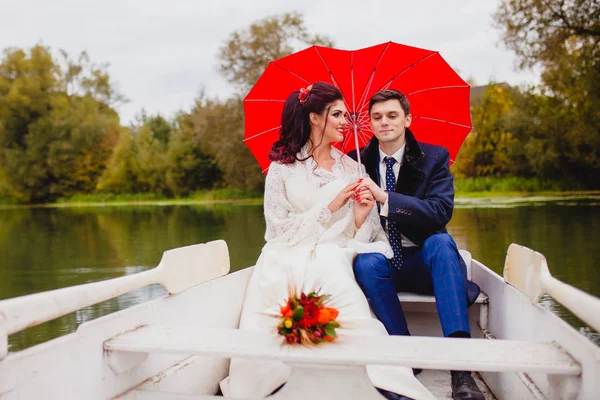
44, 249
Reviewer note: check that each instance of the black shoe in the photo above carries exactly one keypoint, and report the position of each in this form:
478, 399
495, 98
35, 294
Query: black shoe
391, 395
464, 387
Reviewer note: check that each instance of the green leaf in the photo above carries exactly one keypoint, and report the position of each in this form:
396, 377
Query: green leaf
298, 313
333, 324
330, 331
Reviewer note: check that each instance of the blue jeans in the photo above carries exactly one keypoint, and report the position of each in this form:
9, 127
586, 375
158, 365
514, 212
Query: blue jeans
434, 269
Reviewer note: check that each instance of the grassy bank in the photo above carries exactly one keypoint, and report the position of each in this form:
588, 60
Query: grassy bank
199, 197
470, 188
514, 186
202, 195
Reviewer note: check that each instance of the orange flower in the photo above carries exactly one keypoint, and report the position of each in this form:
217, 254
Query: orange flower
328, 339
324, 316
334, 313
284, 309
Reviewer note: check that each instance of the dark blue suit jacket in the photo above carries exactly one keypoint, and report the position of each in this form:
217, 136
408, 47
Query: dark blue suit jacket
423, 199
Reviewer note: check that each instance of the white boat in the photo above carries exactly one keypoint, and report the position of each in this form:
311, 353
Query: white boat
178, 346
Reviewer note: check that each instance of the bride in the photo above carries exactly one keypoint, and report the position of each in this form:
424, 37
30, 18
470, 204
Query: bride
317, 221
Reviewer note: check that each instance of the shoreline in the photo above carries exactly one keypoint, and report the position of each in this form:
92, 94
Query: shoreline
125, 203
533, 199
464, 199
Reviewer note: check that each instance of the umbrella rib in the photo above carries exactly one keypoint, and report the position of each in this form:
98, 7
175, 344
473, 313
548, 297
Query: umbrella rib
442, 120
364, 117
364, 133
352, 80
333, 80
437, 88
263, 100
328, 69
370, 81
262, 133
355, 118
292, 73
364, 137
363, 99
406, 69
363, 114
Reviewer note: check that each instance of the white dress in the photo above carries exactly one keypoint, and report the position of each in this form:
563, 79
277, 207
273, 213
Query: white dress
309, 248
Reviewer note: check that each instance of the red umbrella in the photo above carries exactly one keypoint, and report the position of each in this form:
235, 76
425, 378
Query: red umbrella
439, 98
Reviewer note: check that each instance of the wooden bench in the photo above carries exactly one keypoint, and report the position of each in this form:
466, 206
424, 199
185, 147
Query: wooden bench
331, 366
420, 352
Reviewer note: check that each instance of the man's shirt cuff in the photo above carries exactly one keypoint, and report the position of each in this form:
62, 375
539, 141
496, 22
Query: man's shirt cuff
384, 208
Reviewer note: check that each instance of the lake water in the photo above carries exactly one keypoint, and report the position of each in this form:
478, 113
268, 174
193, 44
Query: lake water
49, 248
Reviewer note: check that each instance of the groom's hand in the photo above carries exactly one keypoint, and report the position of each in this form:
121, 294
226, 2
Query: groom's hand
379, 194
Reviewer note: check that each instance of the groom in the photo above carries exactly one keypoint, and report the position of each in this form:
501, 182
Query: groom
414, 189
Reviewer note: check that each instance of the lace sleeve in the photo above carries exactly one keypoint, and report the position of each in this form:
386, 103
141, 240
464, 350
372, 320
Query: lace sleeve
371, 230
285, 223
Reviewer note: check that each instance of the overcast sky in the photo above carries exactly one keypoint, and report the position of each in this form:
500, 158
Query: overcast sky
161, 53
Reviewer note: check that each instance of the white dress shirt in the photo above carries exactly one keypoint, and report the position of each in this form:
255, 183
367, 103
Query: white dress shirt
399, 155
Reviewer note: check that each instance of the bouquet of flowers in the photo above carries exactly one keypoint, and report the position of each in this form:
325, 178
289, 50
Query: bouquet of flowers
305, 319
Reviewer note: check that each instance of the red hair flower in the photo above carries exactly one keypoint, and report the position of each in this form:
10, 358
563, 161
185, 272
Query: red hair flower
303, 95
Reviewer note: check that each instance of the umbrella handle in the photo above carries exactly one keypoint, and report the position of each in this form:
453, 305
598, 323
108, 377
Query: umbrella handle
360, 175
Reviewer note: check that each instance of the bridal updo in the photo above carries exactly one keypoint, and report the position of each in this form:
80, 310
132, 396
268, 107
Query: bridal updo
295, 121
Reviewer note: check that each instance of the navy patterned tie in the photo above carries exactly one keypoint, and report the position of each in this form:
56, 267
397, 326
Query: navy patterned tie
390, 185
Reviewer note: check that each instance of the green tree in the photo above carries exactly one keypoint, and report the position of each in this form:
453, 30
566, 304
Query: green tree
85, 78
56, 124
247, 53
219, 126
83, 136
487, 150
118, 177
149, 161
159, 127
188, 167
562, 39
538, 30
158, 155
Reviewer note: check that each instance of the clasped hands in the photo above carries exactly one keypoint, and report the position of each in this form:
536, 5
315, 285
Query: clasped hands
364, 192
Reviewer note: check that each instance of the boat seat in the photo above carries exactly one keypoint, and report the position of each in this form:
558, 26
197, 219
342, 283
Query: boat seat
145, 395
415, 351
407, 297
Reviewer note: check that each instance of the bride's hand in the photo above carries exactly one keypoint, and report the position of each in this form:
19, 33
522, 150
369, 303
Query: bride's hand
378, 193
342, 198
364, 201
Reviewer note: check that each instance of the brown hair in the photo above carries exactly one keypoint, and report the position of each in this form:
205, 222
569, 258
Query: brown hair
390, 94
295, 121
